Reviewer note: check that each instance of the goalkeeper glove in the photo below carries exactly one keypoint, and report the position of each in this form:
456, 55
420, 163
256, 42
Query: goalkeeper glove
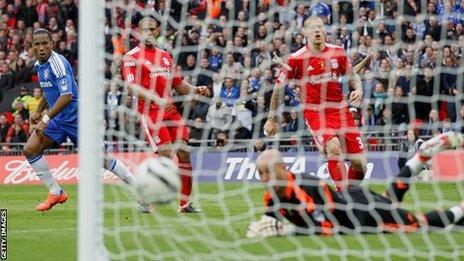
269, 226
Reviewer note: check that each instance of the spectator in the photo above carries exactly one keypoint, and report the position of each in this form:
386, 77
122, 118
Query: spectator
229, 92
20, 109
23, 97
379, 95
23, 72
293, 122
12, 131
423, 94
4, 126
219, 118
33, 102
204, 77
215, 60
369, 119
448, 86
221, 141
217, 84
400, 110
242, 120
196, 132
231, 68
6, 77
432, 126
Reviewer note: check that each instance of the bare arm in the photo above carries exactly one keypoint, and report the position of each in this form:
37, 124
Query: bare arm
185, 88
63, 101
276, 98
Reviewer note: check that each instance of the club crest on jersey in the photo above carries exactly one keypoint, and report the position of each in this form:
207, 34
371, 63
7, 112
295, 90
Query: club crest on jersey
166, 61
45, 74
334, 63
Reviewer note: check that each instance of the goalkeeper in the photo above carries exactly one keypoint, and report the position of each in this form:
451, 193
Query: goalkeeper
312, 207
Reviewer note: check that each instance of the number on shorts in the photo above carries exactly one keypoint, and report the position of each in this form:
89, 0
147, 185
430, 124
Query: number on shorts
360, 142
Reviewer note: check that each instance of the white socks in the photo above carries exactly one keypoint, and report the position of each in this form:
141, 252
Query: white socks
120, 170
458, 213
415, 164
40, 166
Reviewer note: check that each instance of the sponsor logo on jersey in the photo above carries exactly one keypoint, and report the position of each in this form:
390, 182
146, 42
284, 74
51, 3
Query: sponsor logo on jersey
323, 78
155, 72
129, 64
46, 84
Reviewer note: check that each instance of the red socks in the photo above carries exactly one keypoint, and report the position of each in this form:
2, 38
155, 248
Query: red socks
338, 173
186, 182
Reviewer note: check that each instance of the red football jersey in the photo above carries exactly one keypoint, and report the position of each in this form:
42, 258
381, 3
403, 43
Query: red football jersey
153, 69
318, 73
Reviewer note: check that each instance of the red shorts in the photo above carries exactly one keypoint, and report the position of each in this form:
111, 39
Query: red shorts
335, 122
164, 128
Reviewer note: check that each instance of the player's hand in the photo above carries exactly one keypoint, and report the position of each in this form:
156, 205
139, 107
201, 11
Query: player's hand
167, 105
356, 97
203, 91
36, 117
40, 128
270, 128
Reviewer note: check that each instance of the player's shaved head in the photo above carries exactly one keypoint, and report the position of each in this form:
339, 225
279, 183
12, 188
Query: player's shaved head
149, 31
147, 19
312, 19
270, 165
42, 44
42, 31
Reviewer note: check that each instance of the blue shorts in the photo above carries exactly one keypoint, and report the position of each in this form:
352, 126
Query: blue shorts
58, 131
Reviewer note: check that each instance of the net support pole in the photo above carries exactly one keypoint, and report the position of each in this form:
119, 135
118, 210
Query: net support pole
90, 189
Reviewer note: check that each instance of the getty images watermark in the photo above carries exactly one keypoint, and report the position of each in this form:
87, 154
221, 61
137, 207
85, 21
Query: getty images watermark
3, 234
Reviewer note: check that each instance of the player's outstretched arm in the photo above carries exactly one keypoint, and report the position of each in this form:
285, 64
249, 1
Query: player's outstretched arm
186, 88
270, 127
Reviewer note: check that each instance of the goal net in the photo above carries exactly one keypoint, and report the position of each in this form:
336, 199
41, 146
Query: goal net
412, 87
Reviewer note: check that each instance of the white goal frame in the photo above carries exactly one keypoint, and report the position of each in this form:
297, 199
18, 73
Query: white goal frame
91, 71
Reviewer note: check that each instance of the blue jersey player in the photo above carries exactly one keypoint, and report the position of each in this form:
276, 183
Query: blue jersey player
60, 121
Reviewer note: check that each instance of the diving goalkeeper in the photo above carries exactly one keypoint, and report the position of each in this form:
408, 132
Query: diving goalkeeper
313, 207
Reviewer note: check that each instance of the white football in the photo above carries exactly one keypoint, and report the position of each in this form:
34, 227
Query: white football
157, 181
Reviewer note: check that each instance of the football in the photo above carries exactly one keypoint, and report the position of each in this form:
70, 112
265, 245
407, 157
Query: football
157, 181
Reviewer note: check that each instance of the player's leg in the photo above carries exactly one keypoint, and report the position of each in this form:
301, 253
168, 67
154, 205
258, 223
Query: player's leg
354, 146
179, 132
112, 164
335, 162
443, 218
33, 152
400, 185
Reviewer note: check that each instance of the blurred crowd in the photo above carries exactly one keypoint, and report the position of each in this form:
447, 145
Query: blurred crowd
415, 79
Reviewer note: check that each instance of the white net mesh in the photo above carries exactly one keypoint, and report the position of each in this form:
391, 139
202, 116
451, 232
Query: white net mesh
414, 81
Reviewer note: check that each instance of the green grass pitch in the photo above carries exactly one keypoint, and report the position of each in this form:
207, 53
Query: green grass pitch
216, 234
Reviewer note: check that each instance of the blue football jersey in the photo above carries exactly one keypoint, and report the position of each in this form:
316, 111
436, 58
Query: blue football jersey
56, 78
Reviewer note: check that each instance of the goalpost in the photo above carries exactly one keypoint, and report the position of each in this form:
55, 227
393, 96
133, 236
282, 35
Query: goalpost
226, 184
90, 77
